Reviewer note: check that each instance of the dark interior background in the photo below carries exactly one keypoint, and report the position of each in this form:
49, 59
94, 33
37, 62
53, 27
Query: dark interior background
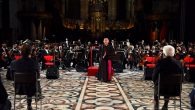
149, 14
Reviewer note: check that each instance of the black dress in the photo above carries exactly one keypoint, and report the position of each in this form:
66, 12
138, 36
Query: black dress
105, 65
3, 93
5, 104
26, 65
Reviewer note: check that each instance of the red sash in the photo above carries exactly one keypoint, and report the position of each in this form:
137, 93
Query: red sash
109, 70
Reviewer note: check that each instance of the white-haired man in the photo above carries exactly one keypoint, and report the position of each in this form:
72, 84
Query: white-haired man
168, 64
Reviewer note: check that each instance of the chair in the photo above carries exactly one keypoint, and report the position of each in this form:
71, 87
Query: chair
151, 59
26, 80
81, 62
49, 60
189, 67
188, 59
118, 61
170, 85
150, 64
188, 62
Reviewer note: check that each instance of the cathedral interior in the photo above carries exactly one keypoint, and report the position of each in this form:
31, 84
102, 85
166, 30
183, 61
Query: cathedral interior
92, 19
130, 44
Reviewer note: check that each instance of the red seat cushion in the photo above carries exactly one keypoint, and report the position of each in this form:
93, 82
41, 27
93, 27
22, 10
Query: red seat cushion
92, 70
150, 65
190, 65
49, 64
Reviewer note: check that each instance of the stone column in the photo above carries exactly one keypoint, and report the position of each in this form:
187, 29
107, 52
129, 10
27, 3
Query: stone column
40, 32
1, 14
128, 6
182, 20
84, 10
63, 7
112, 9
66, 8
40, 5
5, 14
33, 30
44, 32
14, 22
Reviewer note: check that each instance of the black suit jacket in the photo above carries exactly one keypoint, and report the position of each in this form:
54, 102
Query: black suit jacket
41, 53
167, 65
109, 52
26, 65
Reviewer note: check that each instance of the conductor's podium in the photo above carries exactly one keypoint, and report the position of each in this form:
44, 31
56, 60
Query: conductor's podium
92, 70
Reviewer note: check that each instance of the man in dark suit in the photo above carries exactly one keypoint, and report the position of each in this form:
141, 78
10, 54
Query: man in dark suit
46, 51
26, 64
166, 65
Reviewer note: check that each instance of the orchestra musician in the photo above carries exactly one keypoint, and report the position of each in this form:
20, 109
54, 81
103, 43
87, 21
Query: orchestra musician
46, 51
14, 51
67, 51
4, 54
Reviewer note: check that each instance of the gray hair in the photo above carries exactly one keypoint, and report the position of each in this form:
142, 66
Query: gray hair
169, 50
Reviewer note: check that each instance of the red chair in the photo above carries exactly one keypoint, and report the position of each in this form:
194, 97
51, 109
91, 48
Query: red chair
188, 60
149, 67
17, 57
92, 70
49, 60
150, 62
189, 67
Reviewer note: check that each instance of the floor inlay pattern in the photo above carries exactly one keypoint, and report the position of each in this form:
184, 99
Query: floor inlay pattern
103, 96
74, 89
140, 92
60, 94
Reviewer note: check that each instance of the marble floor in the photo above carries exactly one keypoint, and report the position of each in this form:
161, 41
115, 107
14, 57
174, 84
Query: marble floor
140, 92
76, 91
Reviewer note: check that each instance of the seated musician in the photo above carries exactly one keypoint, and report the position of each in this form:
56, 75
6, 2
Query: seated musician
132, 59
191, 52
46, 51
55, 52
26, 64
168, 64
4, 56
61, 57
14, 51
